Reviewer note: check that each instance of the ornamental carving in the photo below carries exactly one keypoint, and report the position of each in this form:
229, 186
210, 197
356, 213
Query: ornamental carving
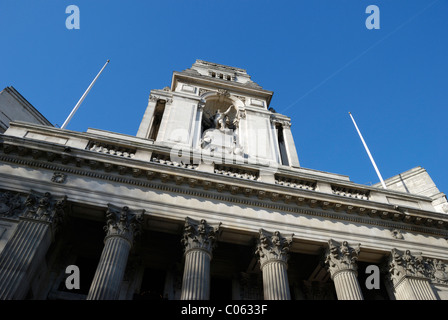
396, 234
11, 204
123, 222
200, 235
341, 256
282, 122
413, 264
59, 177
273, 247
45, 208
155, 98
223, 92
439, 272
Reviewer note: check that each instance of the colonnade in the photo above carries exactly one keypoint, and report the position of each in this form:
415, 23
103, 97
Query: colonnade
407, 272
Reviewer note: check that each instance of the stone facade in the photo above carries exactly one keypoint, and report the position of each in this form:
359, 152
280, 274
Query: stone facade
207, 201
14, 107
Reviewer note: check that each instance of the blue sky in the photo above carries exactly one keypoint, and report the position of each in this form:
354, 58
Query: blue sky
317, 57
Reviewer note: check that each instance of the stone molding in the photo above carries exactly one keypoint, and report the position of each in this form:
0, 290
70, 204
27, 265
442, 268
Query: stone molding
341, 257
123, 222
200, 235
272, 246
356, 212
407, 264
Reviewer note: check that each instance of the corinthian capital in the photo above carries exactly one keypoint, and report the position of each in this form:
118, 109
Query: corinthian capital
199, 235
273, 246
405, 263
123, 222
43, 207
341, 256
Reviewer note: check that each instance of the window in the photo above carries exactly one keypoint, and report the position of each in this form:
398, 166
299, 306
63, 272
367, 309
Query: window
157, 120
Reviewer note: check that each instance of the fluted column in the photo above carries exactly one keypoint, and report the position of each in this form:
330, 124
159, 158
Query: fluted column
272, 250
40, 216
122, 226
410, 274
199, 239
341, 261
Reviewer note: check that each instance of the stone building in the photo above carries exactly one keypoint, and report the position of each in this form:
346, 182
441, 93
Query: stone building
13, 106
207, 201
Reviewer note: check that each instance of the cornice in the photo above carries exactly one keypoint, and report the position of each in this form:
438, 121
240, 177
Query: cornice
222, 188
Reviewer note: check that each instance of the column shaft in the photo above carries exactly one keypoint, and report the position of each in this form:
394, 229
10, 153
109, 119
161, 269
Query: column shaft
275, 281
21, 256
414, 289
122, 226
110, 271
347, 286
196, 279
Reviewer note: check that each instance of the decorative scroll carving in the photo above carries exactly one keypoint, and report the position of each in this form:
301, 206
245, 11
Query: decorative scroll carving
273, 246
341, 256
200, 235
123, 222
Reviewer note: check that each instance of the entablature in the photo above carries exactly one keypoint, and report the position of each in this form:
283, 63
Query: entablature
241, 183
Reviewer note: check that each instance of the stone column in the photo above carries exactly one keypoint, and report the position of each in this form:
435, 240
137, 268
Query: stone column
199, 239
410, 275
122, 226
272, 250
340, 260
40, 216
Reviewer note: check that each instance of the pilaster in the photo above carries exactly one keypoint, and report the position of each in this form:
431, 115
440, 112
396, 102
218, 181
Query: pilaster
199, 239
273, 249
341, 261
122, 227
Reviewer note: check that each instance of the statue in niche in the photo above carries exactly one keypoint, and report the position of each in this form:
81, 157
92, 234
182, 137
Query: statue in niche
221, 120
220, 134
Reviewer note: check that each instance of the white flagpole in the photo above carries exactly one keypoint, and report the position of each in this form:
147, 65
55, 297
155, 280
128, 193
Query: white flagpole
82, 98
368, 152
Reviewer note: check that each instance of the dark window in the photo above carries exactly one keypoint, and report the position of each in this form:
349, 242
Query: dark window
282, 146
157, 119
220, 288
153, 284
